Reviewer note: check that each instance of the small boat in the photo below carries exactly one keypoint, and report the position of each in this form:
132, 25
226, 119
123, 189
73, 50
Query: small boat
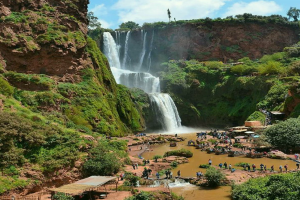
173, 144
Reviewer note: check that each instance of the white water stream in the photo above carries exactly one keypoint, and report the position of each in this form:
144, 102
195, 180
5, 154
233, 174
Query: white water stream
163, 104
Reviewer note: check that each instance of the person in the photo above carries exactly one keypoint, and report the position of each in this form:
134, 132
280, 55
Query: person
200, 174
197, 174
209, 162
265, 168
280, 169
229, 167
178, 173
248, 166
232, 170
286, 167
167, 174
171, 174
145, 162
133, 166
148, 161
244, 166
137, 165
254, 167
121, 177
141, 148
225, 165
157, 175
129, 148
220, 165
272, 168
297, 164
261, 167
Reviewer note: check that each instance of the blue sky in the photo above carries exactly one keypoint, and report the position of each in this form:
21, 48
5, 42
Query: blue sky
112, 13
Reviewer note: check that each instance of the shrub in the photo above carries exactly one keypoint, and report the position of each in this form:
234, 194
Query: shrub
257, 116
204, 166
132, 180
105, 159
281, 187
174, 164
271, 67
62, 196
213, 141
142, 196
156, 157
241, 164
214, 176
237, 145
181, 152
214, 65
5, 88
284, 135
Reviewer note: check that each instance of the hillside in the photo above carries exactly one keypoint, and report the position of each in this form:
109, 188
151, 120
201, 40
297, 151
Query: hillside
57, 94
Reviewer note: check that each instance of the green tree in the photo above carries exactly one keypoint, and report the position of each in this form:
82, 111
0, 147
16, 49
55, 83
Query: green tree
279, 187
293, 13
105, 159
214, 176
284, 135
169, 14
93, 21
129, 25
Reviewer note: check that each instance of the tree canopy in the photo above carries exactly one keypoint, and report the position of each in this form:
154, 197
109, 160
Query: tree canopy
285, 135
279, 187
293, 13
129, 25
93, 21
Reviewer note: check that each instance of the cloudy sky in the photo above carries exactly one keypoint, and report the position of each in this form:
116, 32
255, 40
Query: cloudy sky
112, 13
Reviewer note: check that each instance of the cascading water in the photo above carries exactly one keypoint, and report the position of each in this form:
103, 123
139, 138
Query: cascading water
163, 104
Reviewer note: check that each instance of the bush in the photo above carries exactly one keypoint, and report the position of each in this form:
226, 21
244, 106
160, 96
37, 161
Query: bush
213, 141
237, 145
214, 65
279, 187
241, 164
204, 166
132, 180
181, 152
142, 196
214, 177
257, 116
284, 135
156, 157
5, 88
62, 196
271, 67
105, 159
174, 164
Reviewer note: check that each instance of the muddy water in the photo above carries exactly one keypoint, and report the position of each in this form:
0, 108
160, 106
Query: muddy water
201, 157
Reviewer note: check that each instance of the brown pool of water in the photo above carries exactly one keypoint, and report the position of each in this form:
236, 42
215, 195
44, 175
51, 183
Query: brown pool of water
194, 192
201, 157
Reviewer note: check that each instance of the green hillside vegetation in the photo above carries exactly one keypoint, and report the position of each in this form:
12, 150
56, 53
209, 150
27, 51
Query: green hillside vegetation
228, 93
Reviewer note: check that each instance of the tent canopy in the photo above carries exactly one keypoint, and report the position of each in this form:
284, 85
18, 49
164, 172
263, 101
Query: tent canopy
83, 185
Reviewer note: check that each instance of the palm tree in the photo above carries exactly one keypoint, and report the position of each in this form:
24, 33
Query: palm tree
293, 13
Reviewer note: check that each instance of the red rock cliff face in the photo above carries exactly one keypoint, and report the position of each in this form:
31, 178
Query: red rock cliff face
218, 41
45, 36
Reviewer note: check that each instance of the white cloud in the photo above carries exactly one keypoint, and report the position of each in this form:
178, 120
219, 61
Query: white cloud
99, 10
141, 11
255, 7
105, 24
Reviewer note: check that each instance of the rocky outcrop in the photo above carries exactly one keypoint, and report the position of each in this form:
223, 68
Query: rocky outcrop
42, 36
214, 40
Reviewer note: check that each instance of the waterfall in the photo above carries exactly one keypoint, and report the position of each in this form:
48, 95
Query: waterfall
163, 104
144, 36
111, 50
165, 108
125, 59
144, 81
149, 61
